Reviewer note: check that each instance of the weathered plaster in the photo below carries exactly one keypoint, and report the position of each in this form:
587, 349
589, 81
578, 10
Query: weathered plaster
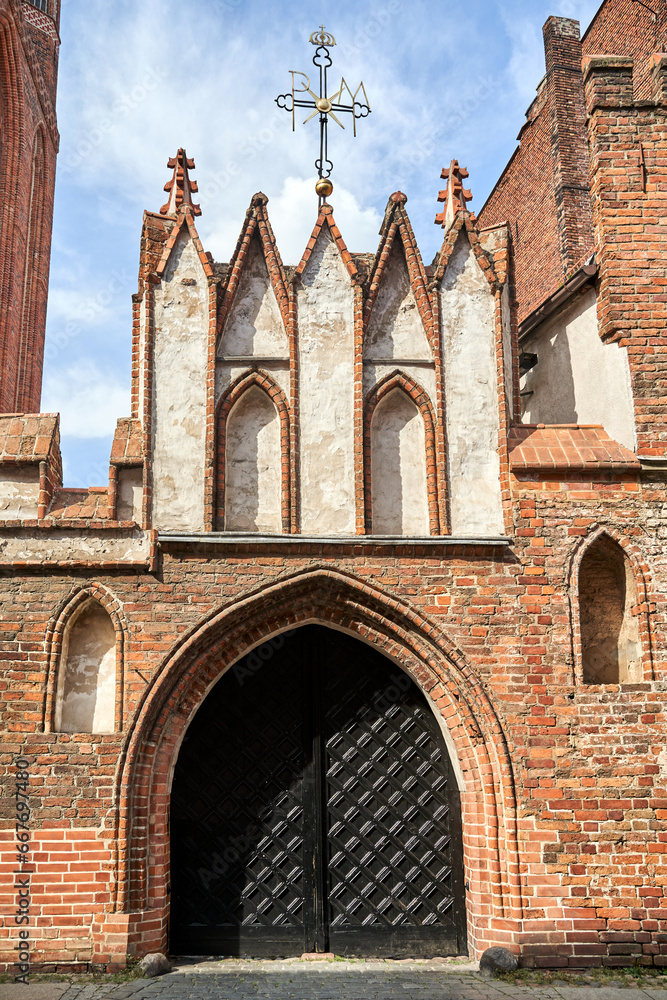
130, 494
395, 329
19, 492
579, 379
253, 466
226, 375
326, 393
86, 698
179, 401
254, 326
423, 375
467, 309
67, 545
398, 467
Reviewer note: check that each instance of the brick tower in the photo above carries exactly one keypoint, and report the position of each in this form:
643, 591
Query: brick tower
29, 44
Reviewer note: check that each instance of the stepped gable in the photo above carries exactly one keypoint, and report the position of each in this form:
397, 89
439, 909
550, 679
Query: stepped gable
455, 197
181, 187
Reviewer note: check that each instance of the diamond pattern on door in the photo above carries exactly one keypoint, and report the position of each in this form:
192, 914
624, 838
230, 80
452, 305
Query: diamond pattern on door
313, 808
388, 803
237, 809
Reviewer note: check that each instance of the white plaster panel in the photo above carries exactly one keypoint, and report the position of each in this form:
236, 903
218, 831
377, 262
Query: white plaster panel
226, 374
467, 309
253, 468
398, 467
395, 329
179, 402
254, 326
579, 379
326, 395
86, 701
78, 546
130, 495
19, 492
423, 376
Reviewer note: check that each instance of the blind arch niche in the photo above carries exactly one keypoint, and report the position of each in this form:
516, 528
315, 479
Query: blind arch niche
86, 695
399, 479
611, 651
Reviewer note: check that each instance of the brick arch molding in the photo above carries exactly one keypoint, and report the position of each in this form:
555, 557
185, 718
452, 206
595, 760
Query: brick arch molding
401, 633
237, 389
418, 395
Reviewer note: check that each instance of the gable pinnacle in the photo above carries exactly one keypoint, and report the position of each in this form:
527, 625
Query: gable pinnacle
455, 196
180, 187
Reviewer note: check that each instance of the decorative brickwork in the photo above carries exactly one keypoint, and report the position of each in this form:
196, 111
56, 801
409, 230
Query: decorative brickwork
29, 46
268, 385
407, 385
497, 613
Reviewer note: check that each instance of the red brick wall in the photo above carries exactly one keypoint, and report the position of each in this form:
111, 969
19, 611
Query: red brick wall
626, 28
542, 190
28, 72
489, 638
628, 145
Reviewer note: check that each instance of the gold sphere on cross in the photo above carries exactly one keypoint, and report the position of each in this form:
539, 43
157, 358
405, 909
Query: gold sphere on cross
324, 187
324, 105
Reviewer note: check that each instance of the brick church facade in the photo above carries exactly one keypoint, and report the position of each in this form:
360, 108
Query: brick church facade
362, 649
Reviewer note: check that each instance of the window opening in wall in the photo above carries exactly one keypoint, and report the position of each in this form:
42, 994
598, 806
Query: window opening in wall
40, 5
610, 646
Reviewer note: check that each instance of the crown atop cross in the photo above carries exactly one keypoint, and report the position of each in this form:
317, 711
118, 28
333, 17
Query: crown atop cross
322, 38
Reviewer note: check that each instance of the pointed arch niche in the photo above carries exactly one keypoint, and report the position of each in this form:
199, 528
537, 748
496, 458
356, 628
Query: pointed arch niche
610, 614
253, 457
401, 495
85, 643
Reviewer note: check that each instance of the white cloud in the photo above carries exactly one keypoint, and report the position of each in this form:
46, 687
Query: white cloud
294, 212
89, 402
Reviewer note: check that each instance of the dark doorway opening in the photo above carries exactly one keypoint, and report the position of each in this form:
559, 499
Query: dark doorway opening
314, 808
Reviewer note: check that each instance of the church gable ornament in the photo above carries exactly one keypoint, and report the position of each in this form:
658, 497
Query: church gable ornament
325, 105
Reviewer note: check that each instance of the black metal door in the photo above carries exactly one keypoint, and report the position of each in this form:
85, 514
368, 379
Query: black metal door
314, 809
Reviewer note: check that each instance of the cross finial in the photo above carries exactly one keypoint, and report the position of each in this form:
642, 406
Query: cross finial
180, 187
455, 196
324, 104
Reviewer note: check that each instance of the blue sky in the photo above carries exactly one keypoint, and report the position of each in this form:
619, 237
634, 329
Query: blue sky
140, 79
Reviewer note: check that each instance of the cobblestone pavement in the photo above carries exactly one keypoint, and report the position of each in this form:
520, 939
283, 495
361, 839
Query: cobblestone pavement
296, 980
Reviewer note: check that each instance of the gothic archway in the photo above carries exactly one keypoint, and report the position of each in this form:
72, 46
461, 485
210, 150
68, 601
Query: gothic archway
475, 737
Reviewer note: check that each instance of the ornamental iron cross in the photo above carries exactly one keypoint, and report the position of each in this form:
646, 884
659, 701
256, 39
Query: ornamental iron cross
327, 106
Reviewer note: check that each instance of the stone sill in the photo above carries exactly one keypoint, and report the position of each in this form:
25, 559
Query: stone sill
338, 541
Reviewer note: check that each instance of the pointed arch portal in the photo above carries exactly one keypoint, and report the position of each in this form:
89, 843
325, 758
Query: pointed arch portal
314, 807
